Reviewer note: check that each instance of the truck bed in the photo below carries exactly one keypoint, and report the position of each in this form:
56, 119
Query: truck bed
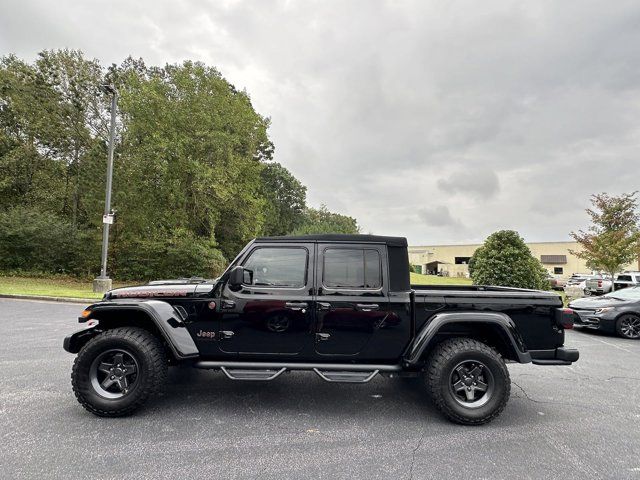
482, 291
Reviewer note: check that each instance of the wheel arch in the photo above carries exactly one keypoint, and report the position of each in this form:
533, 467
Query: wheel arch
492, 328
157, 317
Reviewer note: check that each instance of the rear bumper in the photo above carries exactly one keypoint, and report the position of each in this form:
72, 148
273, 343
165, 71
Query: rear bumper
559, 356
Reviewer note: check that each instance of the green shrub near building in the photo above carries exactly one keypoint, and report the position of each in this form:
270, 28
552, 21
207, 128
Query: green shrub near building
505, 260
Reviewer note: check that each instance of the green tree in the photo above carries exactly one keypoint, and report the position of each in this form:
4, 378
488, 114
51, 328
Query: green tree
285, 200
323, 221
193, 169
50, 117
505, 260
612, 240
29, 172
191, 156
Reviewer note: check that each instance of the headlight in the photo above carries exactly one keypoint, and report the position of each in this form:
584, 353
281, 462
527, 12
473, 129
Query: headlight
603, 310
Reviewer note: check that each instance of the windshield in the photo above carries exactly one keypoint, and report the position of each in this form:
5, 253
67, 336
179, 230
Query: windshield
625, 294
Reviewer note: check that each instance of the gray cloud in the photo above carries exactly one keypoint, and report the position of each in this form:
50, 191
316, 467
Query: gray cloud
439, 216
480, 183
386, 108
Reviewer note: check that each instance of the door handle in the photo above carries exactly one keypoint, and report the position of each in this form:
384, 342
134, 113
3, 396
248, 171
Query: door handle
323, 306
367, 307
322, 336
296, 305
228, 304
226, 334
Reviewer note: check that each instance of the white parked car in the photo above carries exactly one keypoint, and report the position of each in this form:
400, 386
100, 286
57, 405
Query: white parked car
575, 289
627, 279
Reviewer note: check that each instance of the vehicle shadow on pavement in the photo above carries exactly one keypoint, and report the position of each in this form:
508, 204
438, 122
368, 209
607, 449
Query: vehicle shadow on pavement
302, 394
293, 393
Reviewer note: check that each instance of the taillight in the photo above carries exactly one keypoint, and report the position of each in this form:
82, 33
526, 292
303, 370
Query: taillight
599, 283
564, 318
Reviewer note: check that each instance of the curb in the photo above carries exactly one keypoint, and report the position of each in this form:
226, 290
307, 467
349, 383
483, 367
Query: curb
50, 299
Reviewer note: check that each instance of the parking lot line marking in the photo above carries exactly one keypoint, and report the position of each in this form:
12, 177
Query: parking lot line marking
615, 346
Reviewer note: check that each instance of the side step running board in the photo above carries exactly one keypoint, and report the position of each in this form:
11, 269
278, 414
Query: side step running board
345, 367
346, 376
330, 372
252, 374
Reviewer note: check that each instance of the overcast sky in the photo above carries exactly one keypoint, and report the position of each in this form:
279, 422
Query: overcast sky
438, 120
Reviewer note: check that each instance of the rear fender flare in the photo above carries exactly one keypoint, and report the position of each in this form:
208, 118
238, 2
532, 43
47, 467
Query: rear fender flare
426, 335
166, 319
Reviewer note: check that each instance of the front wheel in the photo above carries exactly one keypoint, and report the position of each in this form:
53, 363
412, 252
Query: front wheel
628, 326
116, 371
468, 381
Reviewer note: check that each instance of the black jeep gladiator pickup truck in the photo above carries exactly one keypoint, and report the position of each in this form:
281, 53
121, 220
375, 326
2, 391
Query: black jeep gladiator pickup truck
339, 305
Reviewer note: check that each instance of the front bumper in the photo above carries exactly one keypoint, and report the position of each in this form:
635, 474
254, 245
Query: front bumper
590, 321
558, 356
74, 342
596, 321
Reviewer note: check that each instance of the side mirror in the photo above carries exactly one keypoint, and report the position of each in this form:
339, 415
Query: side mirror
236, 277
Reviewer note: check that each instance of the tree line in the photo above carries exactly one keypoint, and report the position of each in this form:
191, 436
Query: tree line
194, 175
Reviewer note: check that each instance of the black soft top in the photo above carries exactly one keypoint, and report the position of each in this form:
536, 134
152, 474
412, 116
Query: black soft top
333, 237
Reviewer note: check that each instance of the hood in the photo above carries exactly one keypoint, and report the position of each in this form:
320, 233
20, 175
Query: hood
169, 290
590, 303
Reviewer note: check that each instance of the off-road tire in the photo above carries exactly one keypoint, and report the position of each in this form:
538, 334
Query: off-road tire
152, 361
442, 362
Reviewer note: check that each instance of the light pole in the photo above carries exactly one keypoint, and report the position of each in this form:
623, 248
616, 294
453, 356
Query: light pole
103, 282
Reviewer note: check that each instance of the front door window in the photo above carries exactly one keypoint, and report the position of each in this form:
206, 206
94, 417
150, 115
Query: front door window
277, 267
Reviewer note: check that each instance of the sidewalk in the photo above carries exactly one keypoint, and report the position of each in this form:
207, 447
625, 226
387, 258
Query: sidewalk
49, 299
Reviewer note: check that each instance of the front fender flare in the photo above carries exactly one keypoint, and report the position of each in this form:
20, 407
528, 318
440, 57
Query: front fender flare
500, 320
166, 319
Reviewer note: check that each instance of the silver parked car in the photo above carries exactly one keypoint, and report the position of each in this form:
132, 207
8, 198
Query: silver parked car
598, 285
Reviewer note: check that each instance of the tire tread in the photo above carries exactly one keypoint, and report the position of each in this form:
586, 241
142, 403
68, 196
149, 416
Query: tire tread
155, 356
435, 366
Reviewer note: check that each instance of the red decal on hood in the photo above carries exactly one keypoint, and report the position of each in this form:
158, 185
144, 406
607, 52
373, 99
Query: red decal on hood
151, 293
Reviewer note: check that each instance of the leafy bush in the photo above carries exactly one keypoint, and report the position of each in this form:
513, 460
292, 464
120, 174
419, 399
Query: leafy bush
37, 242
179, 255
505, 260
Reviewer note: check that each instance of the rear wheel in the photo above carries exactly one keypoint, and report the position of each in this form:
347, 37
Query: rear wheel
116, 371
628, 326
468, 381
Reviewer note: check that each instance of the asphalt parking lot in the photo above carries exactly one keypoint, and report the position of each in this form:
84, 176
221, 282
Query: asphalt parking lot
576, 422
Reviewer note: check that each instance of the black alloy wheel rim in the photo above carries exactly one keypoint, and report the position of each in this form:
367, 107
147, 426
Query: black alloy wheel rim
114, 373
471, 384
630, 327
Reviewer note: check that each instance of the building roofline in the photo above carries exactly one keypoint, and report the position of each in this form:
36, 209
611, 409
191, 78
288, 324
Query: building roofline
480, 244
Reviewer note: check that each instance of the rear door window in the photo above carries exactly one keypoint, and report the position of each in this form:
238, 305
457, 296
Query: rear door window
354, 268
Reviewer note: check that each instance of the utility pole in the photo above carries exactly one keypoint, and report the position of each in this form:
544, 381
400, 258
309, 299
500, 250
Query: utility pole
103, 282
